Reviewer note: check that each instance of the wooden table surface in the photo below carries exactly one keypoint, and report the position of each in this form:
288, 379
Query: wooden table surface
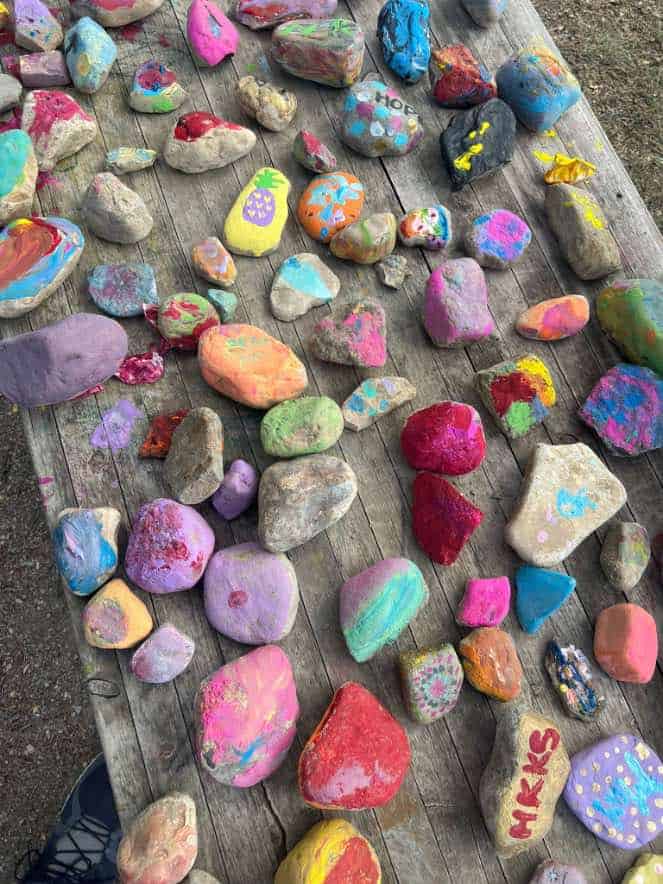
433, 830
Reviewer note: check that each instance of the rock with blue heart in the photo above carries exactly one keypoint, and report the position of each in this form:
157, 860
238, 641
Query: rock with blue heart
85, 547
90, 54
376, 121
478, 141
539, 594
302, 282
18, 175
374, 398
404, 37
122, 289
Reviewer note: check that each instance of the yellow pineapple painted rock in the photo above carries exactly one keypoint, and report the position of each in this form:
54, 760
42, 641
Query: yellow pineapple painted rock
255, 223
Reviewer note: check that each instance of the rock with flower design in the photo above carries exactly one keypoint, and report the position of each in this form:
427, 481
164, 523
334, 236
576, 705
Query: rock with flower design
331, 850
456, 310
212, 260
330, 203
404, 37
114, 211
182, 319
355, 336
258, 14
115, 13
155, 89
647, 869
518, 393
497, 239
625, 554
302, 282
431, 681
554, 319
374, 398
273, 107
115, 618
485, 12
478, 141
376, 121
18, 175
85, 547
35, 27
366, 241
308, 150
200, 141
122, 160
57, 125
211, 35
458, 79
90, 54
330, 51
256, 220
429, 228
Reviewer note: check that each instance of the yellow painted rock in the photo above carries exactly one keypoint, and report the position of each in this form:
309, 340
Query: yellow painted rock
116, 618
648, 869
332, 851
255, 223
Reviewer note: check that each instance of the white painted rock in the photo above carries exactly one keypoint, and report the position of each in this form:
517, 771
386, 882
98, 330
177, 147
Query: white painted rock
272, 107
200, 141
303, 281
123, 160
10, 92
115, 212
116, 13
57, 124
18, 175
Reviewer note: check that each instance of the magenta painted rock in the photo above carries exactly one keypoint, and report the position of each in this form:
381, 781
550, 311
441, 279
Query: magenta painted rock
35, 27
485, 603
163, 656
497, 239
554, 319
456, 304
308, 150
237, 491
41, 69
57, 125
246, 714
210, 33
142, 368
446, 438
358, 336
169, 547
251, 595
256, 14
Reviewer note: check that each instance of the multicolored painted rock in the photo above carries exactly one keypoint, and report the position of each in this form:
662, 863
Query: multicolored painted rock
491, 663
308, 150
85, 547
429, 228
554, 319
225, 302
478, 141
155, 89
647, 869
367, 240
273, 107
332, 850
404, 37
306, 425
159, 434
431, 681
256, 220
41, 69
330, 203
631, 314
122, 160
115, 13
458, 79
485, 12
115, 618
539, 595
248, 365
122, 289
392, 270
456, 310
445, 438
567, 494
357, 756
169, 547
497, 239
212, 260
163, 656
246, 715
330, 51
237, 491
518, 393
258, 14
302, 282
183, 318
625, 554
626, 643
377, 604
355, 336
251, 595
18, 175
571, 675
57, 125
193, 468
200, 141
442, 519
486, 602
374, 398
35, 27
114, 211
211, 36
376, 122
608, 779
90, 54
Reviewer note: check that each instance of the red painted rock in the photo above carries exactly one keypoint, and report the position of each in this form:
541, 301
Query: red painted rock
258, 14
183, 318
458, 79
141, 368
626, 643
159, 434
308, 150
332, 851
358, 755
445, 438
442, 519
57, 125
200, 141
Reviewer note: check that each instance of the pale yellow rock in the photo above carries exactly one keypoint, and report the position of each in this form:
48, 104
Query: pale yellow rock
647, 869
256, 220
115, 618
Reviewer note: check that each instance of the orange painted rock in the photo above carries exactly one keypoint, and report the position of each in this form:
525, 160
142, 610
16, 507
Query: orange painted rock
329, 204
491, 663
554, 319
332, 851
626, 643
116, 618
248, 365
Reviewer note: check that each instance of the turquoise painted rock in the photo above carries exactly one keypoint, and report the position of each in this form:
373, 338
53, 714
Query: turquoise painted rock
122, 160
85, 547
122, 289
539, 594
155, 89
404, 37
625, 554
631, 313
485, 12
307, 425
431, 680
302, 282
571, 675
163, 656
497, 239
377, 604
90, 54
374, 398
329, 51
377, 122
225, 303
18, 175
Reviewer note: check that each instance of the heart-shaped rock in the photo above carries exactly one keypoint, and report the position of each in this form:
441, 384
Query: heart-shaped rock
442, 519
358, 336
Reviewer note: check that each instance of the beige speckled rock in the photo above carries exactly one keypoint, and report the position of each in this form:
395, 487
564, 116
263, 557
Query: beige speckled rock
272, 107
625, 554
194, 465
115, 212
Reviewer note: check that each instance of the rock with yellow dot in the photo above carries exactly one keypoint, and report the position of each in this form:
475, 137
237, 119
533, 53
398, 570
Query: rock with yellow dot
647, 869
478, 141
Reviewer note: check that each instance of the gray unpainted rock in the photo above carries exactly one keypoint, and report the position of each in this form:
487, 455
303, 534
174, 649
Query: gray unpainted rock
10, 92
217, 148
197, 877
392, 271
194, 465
115, 212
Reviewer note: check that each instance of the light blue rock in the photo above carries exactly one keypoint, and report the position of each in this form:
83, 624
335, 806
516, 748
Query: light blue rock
90, 54
225, 303
85, 547
122, 289
539, 594
404, 37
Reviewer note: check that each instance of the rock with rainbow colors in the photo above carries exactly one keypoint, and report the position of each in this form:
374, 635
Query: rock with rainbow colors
35, 27
330, 203
374, 398
330, 51
518, 393
333, 850
259, 14
18, 175
255, 223
554, 319
630, 311
273, 107
212, 260
458, 79
85, 547
455, 310
376, 122
366, 241
114, 211
200, 141
431, 680
155, 89
478, 141
114, 13
90, 54
497, 239
429, 228
211, 36
182, 319
357, 335
57, 125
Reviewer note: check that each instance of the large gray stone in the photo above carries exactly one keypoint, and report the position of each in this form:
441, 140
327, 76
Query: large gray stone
194, 465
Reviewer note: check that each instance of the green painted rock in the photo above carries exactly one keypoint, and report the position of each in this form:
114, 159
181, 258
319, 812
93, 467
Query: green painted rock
225, 303
301, 426
631, 313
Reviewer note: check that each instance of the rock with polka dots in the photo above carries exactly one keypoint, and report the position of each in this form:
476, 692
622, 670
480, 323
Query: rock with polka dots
377, 122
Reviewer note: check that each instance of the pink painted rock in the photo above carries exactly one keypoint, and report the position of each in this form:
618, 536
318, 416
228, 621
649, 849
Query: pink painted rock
554, 319
308, 150
497, 239
169, 547
626, 643
485, 603
141, 368
210, 33
41, 69
163, 656
161, 845
446, 438
57, 124
257, 14
245, 715
358, 336
35, 27
456, 304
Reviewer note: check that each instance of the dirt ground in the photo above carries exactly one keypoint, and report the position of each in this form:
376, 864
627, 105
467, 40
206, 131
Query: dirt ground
46, 728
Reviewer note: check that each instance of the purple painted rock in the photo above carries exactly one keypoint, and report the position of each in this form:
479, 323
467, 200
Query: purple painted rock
35, 27
41, 69
251, 595
497, 239
18, 175
456, 304
210, 33
194, 464
57, 124
169, 547
330, 52
616, 789
431, 680
308, 150
553, 872
485, 603
114, 13
257, 14
62, 360
163, 656
155, 89
237, 491
114, 211
356, 336
122, 289
201, 141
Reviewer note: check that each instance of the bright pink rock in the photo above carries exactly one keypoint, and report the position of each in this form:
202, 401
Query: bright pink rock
456, 304
485, 603
446, 438
210, 34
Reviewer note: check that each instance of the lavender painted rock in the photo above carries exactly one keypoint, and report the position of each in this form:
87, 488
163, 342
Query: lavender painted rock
376, 122
211, 35
553, 872
10, 92
194, 464
330, 52
357, 335
374, 398
272, 107
35, 27
85, 547
90, 54
57, 125
41, 69
625, 554
497, 239
155, 89
122, 289
62, 360
485, 12
251, 595
163, 656
18, 175
302, 282
122, 160
456, 304
212, 260
169, 547
201, 141
431, 680
237, 491
478, 141
115, 212
258, 14
114, 13
312, 153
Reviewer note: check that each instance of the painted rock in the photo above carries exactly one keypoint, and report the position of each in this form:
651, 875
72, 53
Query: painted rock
142, 368
161, 844
90, 54
442, 519
62, 360
539, 594
115, 212
355, 336
200, 141
478, 141
331, 850
123, 160
302, 282
567, 494
523, 780
169, 547
445, 438
357, 756
625, 554
367, 240
377, 604
518, 393
491, 664
485, 12
455, 310
198, 877
10, 91
374, 398
554, 319
256, 220
392, 271
237, 491
163, 656
376, 122
115, 618
571, 675
18, 175
248, 365
497, 239
155, 89
458, 79
631, 314
122, 289
85, 547
308, 150
35, 27
330, 52
300, 498
538, 86
431, 680
246, 715
225, 302
404, 37
116, 427
330, 203
610, 776
272, 107
57, 125
429, 228
211, 35
159, 434
258, 14
486, 602
212, 260
647, 869
115, 13
553, 872
41, 69
194, 465
626, 643
306, 425
251, 595
183, 318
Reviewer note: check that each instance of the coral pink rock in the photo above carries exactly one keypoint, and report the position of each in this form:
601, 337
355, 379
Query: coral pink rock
485, 603
210, 34
445, 438
626, 643
456, 304
442, 519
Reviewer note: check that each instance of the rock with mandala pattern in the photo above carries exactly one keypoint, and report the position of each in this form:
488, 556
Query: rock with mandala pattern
431, 681
374, 398
330, 203
256, 220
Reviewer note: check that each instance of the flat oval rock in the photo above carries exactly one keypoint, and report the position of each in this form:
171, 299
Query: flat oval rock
90, 54
478, 141
366, 241
194, 465
631, 314
376, 122
491, 663
273, 107
200, 141
356, 335
554, 319
429, 228
302, 282
163, 656
571, 675
18, 175
212, 260
308, 150
85, 547
306, 425
404, 37
256, 220
332, 848
431, 680
57, 125
330, 203
485, 12
211, 36
330, 51
374, 398
155, 90
183, 318
442, 519
115, 13
258, 14
497, 239
115, 212
237, 491
455, 311
518, 393
122, 160
458, 79
122, 289
647, 869
35, 27
115, 618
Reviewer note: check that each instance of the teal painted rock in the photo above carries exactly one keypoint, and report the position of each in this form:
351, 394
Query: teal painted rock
18, 175
374, 398
90, 54
631, 313
85, 547
377, 604
123, 160
431, 681
225, 303
122, 289
303, 281
307, 425
539, 594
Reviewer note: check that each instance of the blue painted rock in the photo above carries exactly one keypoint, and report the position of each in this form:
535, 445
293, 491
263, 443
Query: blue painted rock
429, 228
212, 260
259, 14
18, 175
155, 89
497, 239
553, 872
163, 656
251, 595
571, 675
330, 203
85, 547
225, 303
431, 680
458, 79
539, 594
302, 282
193, 467
377, 604
374, 398
330, 52
376, 121
478, 141
39, 70
485, 12
273, 107
625, 554
404, 37
211, 36
366, 241
122, 289
631, 313
306, 425
114, 13
90, 54
308, 150
455, 310
114, 211
35, 27
237, 491
122, 160
57, 125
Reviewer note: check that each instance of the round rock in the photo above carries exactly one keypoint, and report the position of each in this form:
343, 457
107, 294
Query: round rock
357, 335
486, 602
456, 310
272, 107
491, 663
307, 425
183, 318
115, 212
497, 239
626, 643
302, 282
237, 491
163, 656
115, 618
194, 466
85, 547
122, 289
200, 141
155, 89
429, 228
445, 438
431, 680
367, 240
57, 125
330, 203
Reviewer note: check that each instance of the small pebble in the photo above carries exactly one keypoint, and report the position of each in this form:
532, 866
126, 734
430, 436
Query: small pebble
374, 398
182, 319
429, 228
237, 491
39, 70
392, 271
308, 150
518, 393
211, 36
225, 302
123, 160
155, 89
